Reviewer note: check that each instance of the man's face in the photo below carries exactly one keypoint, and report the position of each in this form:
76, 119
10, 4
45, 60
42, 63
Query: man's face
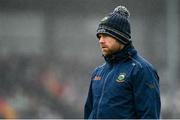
109, 44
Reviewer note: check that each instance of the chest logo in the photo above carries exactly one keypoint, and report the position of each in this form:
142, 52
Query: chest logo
97, 78
121, 77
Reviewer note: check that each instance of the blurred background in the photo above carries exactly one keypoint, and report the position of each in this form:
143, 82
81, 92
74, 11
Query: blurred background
48, 50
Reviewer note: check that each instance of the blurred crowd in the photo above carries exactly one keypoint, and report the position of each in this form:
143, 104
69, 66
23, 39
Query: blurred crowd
31, 88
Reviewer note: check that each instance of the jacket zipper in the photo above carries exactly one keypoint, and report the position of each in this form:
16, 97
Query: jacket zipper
102, 93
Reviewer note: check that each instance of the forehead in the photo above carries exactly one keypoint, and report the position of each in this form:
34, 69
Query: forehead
110, 38
106, 35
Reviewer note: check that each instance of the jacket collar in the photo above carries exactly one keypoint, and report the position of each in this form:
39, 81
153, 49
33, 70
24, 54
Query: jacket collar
121, 55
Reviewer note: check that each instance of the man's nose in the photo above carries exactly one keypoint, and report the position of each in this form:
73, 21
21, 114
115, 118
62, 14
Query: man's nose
101, 40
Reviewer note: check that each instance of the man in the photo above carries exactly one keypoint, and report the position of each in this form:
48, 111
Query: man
126, 86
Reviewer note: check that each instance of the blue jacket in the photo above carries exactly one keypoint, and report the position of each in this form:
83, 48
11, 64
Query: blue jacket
125, 86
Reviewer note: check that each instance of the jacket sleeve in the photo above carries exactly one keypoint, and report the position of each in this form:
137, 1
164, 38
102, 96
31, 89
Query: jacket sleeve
89, 103
147, 94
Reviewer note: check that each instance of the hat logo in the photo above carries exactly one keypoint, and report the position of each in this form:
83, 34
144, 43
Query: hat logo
105, 18
121, 77
102, 30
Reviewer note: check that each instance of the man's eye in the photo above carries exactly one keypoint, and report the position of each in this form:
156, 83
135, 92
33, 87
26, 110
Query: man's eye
99, 36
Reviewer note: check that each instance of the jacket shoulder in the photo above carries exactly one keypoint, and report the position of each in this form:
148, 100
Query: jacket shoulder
142, 66
141, 62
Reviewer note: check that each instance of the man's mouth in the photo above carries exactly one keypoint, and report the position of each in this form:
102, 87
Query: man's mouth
103, 47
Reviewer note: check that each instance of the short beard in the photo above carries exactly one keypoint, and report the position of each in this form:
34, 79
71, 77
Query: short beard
110, 53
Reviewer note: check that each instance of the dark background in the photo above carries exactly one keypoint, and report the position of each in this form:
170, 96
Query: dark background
48, 50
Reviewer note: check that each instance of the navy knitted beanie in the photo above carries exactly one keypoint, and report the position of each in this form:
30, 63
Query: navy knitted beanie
117, 25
